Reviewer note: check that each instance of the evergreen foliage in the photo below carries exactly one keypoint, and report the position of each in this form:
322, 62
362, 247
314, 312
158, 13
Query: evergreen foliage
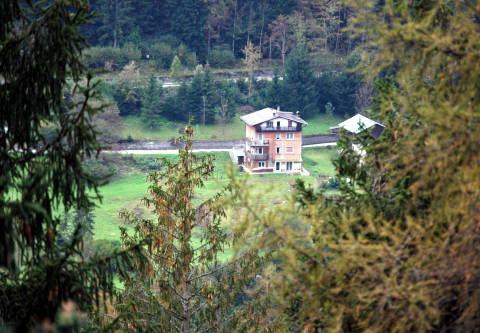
186, 288
300, 83
175, 67
151, 112
44, 82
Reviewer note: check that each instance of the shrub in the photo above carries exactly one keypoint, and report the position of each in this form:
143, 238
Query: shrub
170, 40
97, 57
218, 58
131, 52
162, 54
190, 60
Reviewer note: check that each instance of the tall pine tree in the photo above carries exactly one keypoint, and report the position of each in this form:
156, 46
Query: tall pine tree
300, 82
151, 111
187, 287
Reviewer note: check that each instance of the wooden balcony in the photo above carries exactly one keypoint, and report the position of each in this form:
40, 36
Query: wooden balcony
296, 128
257, 157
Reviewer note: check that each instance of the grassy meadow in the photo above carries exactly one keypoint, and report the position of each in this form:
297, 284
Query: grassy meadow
133, 127
127, 189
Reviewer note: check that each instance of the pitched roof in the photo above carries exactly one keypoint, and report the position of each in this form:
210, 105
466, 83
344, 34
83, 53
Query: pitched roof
357, 123
267, 114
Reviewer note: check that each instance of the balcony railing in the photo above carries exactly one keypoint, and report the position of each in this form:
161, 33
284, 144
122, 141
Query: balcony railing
259, 143
279, 128
257, 157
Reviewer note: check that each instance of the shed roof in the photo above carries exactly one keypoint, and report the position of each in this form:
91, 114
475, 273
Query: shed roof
357, 123
267, 114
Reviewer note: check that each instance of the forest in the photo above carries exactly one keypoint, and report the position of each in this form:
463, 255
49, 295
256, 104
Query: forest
388, 244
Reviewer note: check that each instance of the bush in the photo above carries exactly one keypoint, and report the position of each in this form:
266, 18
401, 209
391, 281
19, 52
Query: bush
131, 52
190, 60
162, 54
218, 58
170, 40
98, 57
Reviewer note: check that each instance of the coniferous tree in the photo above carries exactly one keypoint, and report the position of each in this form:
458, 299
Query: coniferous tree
43, 82
188, 23
300, 83
187, 288
151, 112
117, 21
175, 67
195, 98
209, 97
275, 94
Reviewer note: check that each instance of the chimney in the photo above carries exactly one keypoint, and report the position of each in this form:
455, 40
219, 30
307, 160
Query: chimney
298, 112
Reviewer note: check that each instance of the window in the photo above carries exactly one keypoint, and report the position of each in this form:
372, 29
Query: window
278, 150
278, 136
289, 166
290, 136
278, 124
290, 123
260, 151
289, 150
277, 166
269, 123
261, 164
260, 137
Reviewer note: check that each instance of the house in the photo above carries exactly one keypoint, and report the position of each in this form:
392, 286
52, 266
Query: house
358, 123
273, 141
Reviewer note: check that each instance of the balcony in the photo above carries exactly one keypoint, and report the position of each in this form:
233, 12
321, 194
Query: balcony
257, 157
258, 143
296, 128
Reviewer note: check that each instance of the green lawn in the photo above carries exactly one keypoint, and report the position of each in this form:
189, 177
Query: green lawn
127, 191
133, 126
320, 124
317, 160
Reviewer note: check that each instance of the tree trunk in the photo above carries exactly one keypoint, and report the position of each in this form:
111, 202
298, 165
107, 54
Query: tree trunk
234, 26
261, 31
270, 50
115, 24
204, 102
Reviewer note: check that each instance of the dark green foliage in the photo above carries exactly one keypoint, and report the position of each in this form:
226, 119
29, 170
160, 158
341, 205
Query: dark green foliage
275, 93
117, 21
195, 98
162, 54
187, 23
221, 58
127, 97
151, 112
43, 82
300, 83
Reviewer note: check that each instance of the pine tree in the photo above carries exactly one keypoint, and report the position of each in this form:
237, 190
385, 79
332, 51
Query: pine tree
188, 24
300, 83
117, 21
195, 100
44, 81
209, 97
275, 94
175, 67
187, 287
151, 112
